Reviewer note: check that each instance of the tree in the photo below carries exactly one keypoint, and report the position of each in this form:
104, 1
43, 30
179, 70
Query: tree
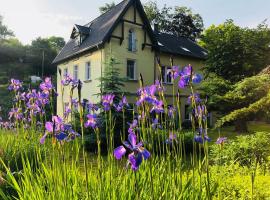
47, 47
179, 21
247, 98
4, 31
234, 52
111, 82
106, 7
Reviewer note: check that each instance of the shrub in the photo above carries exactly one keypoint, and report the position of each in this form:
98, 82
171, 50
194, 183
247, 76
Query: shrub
243, 150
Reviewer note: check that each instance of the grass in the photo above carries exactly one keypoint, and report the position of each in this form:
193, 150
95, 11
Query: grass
230, 133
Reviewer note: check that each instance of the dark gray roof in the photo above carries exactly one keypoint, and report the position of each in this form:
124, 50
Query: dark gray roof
83, 29
180, 46
98, 32
99, 29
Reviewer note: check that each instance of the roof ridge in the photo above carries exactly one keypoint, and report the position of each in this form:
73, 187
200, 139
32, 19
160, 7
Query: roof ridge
91, 22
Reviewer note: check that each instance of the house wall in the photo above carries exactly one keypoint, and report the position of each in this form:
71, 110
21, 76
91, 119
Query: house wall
145, 65
90, 87
144, 58
181, 61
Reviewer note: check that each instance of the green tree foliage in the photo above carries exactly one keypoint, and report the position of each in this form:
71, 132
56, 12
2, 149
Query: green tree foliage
179, 21
234, 52
247, 98
106, 7
111, 82
4, 31
49, 47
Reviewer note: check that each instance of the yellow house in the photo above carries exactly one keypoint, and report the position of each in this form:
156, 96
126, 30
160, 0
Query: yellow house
124, 32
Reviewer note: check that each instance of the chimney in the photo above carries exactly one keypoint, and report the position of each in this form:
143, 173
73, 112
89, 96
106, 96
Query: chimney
156, 29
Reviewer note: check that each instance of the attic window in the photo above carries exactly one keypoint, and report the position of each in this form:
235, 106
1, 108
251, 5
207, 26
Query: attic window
78, 40
132, 40
185, 49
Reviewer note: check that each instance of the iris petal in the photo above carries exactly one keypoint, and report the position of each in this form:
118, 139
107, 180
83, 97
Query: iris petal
119, 152
42, 140
132, 138
61, 136
49, 127
146, 154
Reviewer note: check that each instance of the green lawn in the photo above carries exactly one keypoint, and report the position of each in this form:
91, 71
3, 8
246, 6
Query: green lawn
229, 132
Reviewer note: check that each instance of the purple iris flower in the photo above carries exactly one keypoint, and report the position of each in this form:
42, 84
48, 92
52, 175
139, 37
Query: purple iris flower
67, 111
107, 101
123, 102
15, 85
171, 111
174, 72
133, 126
46, 86
159, 86
138, 152
92, 107
172, 137
91, 121
62, 132
194, 96
201, 137
221, 140
185, 75
16, 113
67, 80
147, 94
155, 124
158, 107
197, 78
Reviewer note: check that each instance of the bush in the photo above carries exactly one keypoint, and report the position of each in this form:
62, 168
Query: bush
244, 150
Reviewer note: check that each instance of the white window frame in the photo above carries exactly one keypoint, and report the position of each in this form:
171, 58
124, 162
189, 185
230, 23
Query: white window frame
132, 34
134, 70
65, 71
88, 71
76, 72
165, 77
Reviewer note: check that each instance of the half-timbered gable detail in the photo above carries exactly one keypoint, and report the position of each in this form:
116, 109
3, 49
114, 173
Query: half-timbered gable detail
125, 33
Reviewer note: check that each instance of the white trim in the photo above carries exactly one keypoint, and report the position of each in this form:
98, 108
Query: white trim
134, 70
76, 72
88, 73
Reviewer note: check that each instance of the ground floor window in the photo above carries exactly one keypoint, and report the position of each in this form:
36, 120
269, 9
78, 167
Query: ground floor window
131, 69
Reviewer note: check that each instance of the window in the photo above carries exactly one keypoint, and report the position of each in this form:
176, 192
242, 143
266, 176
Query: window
166, 74
65, 72
75, 72
187, 112
88, 71
132, 40
131, 71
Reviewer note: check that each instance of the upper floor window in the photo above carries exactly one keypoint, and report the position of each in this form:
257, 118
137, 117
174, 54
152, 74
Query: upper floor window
131, 69
75, 72
132, 40
166, 75
65, 72
87, 71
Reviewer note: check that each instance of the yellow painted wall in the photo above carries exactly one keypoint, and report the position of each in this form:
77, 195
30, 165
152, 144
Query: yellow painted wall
144, 58
90, 88
145, 64
179, 61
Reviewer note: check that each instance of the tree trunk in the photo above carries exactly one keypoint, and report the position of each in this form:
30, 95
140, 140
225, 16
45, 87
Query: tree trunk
241, 126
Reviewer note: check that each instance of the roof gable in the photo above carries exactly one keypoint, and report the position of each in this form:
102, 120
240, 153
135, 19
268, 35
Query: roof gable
100, 30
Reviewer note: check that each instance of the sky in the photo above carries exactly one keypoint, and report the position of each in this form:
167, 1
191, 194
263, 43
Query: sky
30, 19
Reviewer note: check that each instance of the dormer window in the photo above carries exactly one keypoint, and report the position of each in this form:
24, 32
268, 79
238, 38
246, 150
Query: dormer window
79, 34
78, 40
132, 41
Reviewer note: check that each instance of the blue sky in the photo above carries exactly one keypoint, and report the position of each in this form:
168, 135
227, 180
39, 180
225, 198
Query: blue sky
32, 18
